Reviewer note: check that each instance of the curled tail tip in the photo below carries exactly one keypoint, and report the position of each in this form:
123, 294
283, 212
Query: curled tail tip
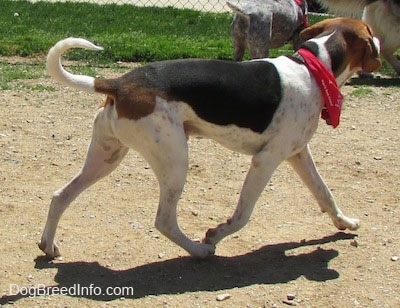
76, 42
69, 43
56, 70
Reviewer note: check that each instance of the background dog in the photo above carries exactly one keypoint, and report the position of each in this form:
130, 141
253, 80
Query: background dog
263, 24
383, 16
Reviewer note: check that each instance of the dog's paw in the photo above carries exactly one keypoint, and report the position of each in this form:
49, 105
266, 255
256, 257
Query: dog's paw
51, 251
342, 222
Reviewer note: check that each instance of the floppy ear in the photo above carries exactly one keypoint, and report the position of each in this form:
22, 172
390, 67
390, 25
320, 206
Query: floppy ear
311, 32
371, 61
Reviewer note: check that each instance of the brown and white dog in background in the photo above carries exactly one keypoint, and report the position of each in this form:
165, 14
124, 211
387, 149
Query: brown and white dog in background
268, 108
260, 25
383, 16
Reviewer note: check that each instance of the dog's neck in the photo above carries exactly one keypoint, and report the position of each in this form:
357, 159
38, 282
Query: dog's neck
333, 58
330, 92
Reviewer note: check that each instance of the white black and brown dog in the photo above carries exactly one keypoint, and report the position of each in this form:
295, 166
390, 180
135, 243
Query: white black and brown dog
267, 108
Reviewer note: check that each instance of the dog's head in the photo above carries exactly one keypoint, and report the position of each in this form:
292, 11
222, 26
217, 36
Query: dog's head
351, 37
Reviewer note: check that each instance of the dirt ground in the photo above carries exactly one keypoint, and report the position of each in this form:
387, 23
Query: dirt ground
114, 257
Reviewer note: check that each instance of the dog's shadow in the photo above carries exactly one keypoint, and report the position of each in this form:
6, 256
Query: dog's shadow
268, 265
384, 82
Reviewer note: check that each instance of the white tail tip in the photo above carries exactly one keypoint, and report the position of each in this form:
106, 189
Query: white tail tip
55, 69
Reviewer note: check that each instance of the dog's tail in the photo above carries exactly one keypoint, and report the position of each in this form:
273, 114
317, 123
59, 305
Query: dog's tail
55, 69
349, 8
238, 7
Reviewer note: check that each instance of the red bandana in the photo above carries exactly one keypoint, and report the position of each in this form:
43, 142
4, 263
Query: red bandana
327, 84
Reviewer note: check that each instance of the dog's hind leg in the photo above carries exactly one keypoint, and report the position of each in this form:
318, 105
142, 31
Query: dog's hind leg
261, 169
303, 164
167, 154
104, 154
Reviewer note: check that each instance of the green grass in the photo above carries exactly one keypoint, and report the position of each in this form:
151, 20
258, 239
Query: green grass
10, 72
35, 69
361, 91
127, 33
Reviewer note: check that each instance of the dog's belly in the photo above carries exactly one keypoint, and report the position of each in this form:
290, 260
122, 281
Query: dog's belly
232, 137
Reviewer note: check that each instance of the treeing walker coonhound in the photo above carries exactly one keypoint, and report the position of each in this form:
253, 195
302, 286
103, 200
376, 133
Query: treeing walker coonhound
267, 108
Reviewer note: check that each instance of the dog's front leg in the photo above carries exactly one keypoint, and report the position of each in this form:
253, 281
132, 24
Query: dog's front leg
261, 169
303, 164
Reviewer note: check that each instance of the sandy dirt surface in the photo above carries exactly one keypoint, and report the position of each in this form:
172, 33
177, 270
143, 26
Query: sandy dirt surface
114, 257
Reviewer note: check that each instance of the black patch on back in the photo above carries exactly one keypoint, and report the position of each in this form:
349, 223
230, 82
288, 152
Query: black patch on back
245, 94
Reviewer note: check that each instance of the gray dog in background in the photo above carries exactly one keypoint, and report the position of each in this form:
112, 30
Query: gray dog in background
263, 24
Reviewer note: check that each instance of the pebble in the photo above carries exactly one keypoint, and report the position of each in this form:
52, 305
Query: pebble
354, 243
394, 258
290, 297
135, 225
290, 303
222, 297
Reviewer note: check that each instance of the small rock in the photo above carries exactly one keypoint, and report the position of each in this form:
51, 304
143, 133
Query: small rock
290, 296
222, 297
354, 243
290, 303
394, 258
135, 225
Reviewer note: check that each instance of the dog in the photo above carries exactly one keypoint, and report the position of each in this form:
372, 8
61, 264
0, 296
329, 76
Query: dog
267, 108
383, 16
263, 24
